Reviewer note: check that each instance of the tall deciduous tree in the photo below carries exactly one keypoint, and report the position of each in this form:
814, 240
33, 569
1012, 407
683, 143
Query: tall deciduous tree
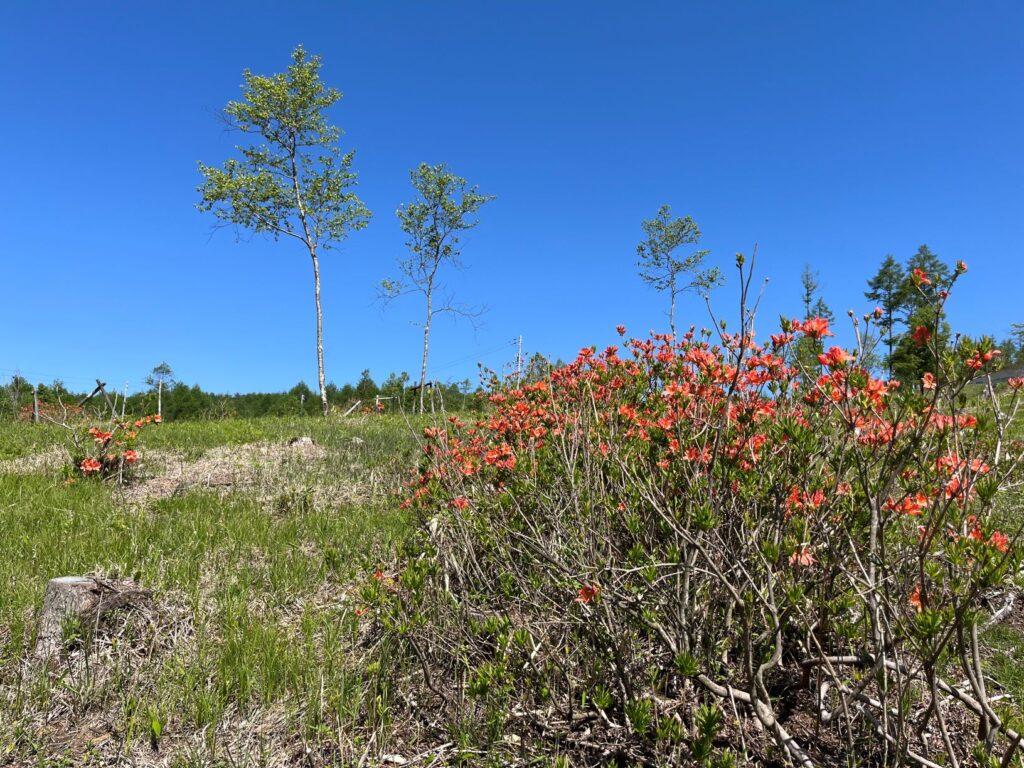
444, 208
888, 290
291, 179
662, 269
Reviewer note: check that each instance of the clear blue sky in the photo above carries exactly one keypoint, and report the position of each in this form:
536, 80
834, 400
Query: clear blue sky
828, 133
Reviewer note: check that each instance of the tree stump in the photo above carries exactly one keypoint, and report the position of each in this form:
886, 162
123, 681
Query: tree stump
85, 599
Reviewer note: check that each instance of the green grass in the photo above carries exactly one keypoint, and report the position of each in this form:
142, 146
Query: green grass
253, 652
253, 644
19, 438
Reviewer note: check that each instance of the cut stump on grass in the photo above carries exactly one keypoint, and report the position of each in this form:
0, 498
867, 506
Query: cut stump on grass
82, 599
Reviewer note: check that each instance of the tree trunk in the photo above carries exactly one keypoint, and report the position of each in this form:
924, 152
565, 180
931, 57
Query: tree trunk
426, 346
672, 313
82, 599
319, 337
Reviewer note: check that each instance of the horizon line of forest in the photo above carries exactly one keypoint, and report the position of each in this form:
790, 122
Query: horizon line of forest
902, 308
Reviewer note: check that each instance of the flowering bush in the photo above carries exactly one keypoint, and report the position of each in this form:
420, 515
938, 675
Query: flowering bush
659, 534
109, 454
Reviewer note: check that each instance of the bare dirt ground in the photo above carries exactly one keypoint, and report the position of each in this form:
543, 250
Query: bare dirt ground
253, 466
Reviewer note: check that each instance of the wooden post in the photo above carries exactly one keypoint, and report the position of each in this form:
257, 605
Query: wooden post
35, 403
159, 398
124, 400
101, 387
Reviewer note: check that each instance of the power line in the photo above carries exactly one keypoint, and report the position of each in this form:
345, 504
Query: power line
475, 355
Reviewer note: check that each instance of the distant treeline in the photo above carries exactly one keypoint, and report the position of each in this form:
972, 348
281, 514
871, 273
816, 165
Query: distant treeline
181, 401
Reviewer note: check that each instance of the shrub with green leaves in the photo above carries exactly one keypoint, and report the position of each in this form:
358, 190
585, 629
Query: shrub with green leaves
702, 522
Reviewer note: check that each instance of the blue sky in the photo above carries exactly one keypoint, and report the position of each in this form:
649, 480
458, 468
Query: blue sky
827, 133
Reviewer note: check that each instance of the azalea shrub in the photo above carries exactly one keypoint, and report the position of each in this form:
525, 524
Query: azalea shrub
663, 551
111, 453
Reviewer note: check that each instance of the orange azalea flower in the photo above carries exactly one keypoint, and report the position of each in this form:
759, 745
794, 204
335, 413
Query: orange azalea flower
961, 267
816, 328
999, 541
131, 457
90, 465
915, 598
920, 277
834, 358
921, 335
588, 593
460, 502
802, 556
701, 456
928, 381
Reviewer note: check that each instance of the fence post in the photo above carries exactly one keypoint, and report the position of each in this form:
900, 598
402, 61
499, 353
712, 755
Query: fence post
35, 403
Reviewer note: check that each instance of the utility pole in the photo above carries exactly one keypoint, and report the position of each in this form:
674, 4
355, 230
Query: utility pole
519, 361
35, 403
159, 398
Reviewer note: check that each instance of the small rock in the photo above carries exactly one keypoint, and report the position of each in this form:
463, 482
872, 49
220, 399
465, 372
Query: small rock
357, 441
302, 441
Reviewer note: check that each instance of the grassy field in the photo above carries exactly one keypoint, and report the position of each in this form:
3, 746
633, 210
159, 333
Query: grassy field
250, 652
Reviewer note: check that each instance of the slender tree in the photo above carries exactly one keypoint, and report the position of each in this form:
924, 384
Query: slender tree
921, 308
661, 269
888, 290
807, 348
444, 208
916, 296
159, 379
1014, 353
291, 179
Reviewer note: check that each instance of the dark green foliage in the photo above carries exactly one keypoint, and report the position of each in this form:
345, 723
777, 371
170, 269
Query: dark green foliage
887, 289
920, 307
183, 401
